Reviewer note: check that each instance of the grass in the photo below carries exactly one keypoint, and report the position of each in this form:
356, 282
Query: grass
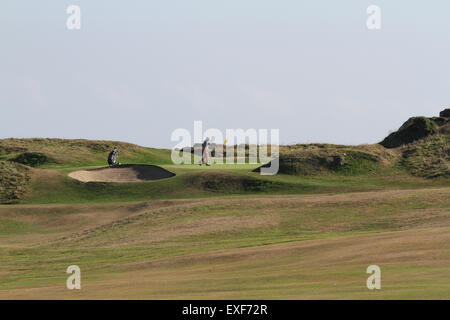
320, 159
270, 247
8, 227
13, 180
198, 182
429, 157
225, 231
360, 168
65, 153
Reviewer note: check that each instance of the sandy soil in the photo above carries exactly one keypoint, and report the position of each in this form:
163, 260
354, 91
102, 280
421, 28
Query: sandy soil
123, 173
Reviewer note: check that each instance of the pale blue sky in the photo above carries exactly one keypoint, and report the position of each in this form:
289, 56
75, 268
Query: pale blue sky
137, 70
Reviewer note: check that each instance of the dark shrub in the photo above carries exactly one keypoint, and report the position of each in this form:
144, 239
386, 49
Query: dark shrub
32, 159
445, 113
414, 129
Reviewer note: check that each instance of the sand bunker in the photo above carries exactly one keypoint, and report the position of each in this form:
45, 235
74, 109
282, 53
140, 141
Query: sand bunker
123, 173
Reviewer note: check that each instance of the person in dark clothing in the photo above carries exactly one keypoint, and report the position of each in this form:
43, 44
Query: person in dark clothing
112, 157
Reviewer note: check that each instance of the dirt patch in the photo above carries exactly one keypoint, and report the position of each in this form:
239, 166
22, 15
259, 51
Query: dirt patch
123, 173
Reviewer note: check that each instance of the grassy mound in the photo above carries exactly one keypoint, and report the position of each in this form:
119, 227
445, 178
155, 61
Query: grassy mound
315, 159
230, 182
414, 129
429, 157
13, 181
76, 153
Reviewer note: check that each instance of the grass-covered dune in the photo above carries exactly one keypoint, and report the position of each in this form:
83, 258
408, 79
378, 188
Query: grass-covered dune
41, 164
421, 147
69, 153
428, 157
316, 159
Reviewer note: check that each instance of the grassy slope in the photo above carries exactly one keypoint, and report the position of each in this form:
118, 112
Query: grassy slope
70, 154
316, 246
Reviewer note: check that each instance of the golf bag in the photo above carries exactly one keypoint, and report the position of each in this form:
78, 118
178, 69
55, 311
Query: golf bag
112, 158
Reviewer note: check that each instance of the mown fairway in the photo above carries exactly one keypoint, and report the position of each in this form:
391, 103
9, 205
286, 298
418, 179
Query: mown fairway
293, 246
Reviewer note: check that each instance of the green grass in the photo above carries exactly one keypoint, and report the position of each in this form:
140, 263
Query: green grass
358, 163
199, 182
118, 248
168, 244
362, 168
8, 227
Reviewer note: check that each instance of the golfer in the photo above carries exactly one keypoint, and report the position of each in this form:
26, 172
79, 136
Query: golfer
205, 152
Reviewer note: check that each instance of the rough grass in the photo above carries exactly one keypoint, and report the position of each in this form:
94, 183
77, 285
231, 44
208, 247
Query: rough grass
79, 153
316, 159
13, 181
429, 157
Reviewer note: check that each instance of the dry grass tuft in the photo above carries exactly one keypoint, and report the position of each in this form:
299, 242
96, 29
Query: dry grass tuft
13, 180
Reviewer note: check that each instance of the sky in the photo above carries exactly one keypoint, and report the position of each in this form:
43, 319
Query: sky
138, 70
